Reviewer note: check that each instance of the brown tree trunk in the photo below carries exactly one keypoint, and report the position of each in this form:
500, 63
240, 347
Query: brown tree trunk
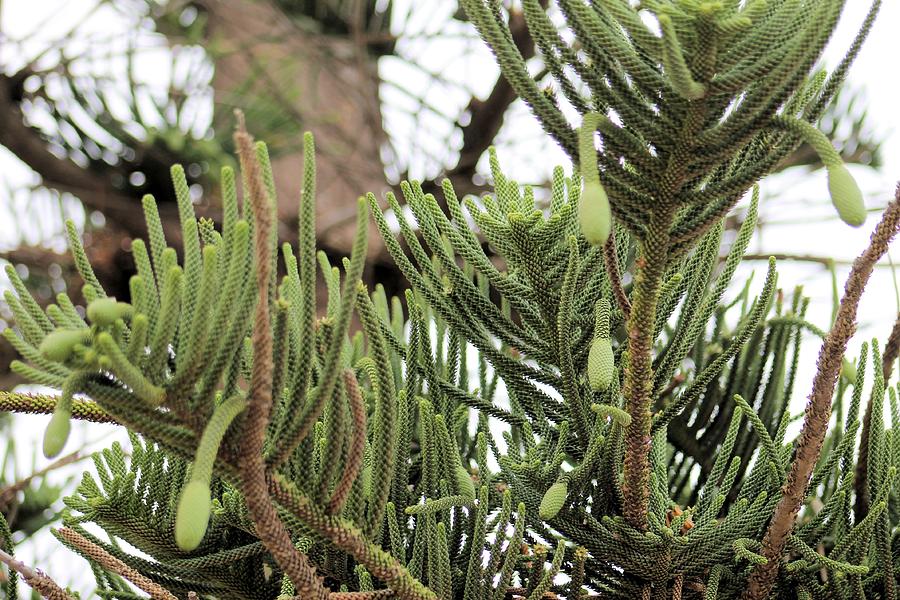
325, 84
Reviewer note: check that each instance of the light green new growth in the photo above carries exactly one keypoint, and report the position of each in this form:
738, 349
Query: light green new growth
194, 505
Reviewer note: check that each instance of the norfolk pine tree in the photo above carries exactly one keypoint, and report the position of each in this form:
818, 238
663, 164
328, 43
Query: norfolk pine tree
616, 437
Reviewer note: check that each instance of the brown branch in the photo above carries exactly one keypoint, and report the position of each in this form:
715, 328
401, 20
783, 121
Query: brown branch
8, 493
825, 261
95, 190
891, 350
38, 581
109, 562
486, 116
611, 261
350, 539
357, 445
269, 527
861, 481
818, 407
638, 383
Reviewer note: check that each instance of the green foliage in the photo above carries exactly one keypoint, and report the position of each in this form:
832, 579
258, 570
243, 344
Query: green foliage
518, 397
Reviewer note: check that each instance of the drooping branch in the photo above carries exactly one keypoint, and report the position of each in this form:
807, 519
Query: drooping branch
818, 407
87, 548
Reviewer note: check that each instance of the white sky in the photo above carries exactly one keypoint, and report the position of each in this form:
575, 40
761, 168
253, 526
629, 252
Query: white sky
803, 202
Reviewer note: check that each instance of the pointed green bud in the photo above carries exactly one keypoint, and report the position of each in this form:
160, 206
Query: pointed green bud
675, 64
594, 214
57, 433
464, 482
846, 196
192, 518
601, 365
553, 500
105, 311
58, 345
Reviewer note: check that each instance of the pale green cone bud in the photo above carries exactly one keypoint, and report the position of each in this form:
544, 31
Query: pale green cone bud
594, 214
601, 365
192, 518
846, 196
57, 433
553, 500
58, 345
105, 311
464, 483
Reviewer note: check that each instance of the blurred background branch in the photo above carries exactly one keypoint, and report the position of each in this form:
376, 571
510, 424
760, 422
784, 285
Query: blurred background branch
391, 89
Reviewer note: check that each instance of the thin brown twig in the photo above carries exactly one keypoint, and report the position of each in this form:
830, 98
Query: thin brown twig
611, 261
825, 261
8, 493
269, 527
39, 582
818, 408
113, 564
350, 539
357, 445
891, 350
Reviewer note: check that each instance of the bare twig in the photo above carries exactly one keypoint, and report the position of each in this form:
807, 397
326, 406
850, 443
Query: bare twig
8, 493
113, 564
818, 408
39, 582
825, 261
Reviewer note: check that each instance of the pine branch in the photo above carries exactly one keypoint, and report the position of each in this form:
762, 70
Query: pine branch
861, 481
818, 410
40, 582
349, 539
357, 445
95, 553
611, 262
86, 410
251, 461
637, 387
